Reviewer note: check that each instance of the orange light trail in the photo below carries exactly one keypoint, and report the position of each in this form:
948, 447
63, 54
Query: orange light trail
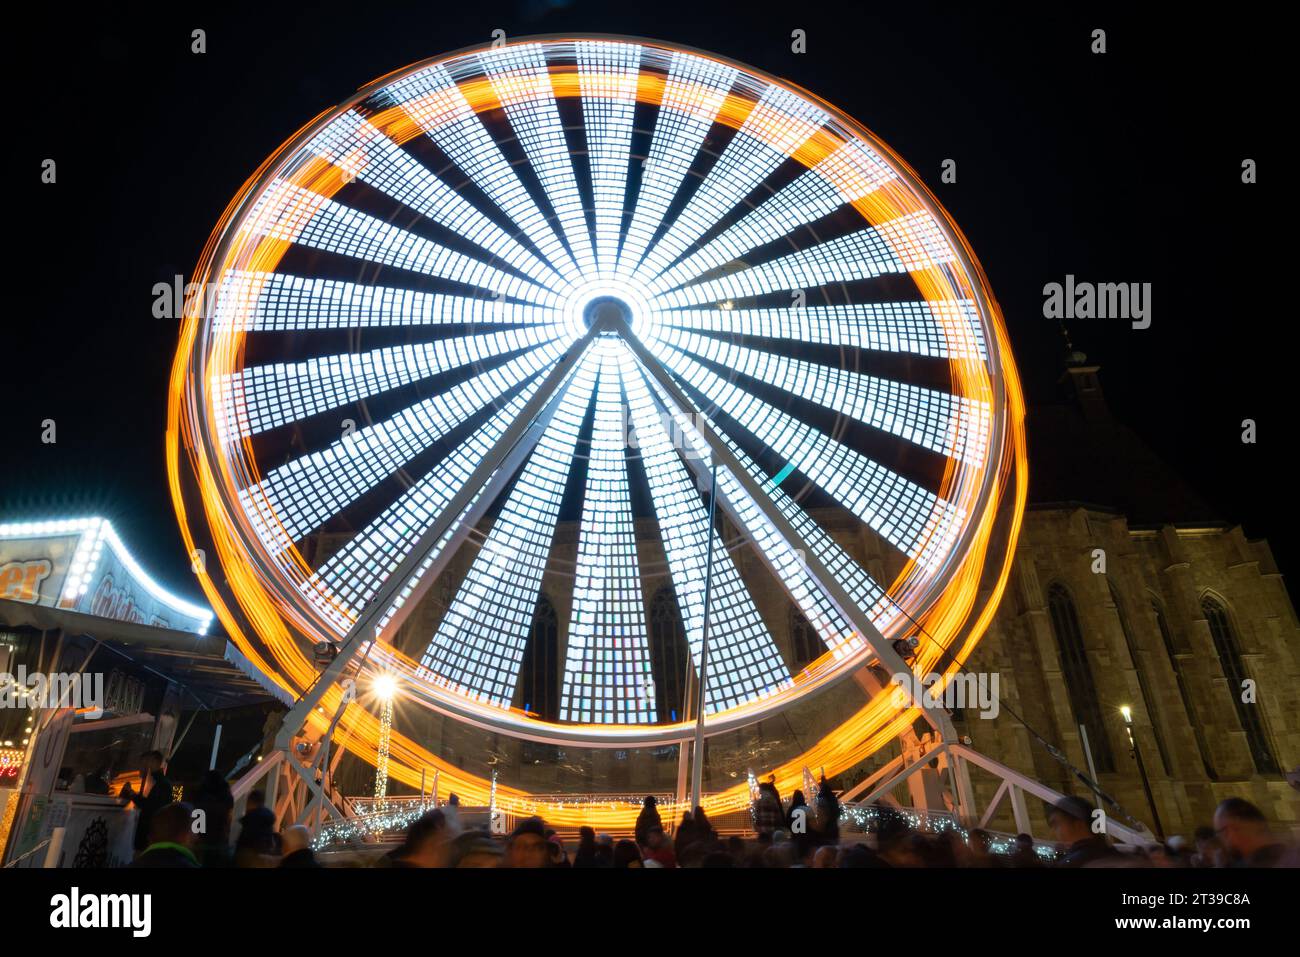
990, 496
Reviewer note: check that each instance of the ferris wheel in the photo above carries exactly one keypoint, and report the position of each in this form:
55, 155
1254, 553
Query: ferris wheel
613, 283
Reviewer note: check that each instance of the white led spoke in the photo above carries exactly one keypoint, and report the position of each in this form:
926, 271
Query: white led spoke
523, 86
865, 254
432, 98
264, 397
355, 571
934, 420
942, 330
912, 519
847, 175
694, 91
296, 497
479, 644
779, 123
607, 677
608, 76
296, 215
787, 564
265, 302
364, 154
743, 659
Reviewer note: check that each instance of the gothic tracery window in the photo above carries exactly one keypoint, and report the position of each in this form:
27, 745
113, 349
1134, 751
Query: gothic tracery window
1077, 672
1229, 652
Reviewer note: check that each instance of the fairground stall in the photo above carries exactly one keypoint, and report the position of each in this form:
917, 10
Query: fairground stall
99, 665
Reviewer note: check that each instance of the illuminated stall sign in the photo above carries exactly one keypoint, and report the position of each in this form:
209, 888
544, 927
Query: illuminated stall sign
82, 565
11, 765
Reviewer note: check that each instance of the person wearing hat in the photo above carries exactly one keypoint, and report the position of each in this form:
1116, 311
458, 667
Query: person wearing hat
528, 846
1070, 819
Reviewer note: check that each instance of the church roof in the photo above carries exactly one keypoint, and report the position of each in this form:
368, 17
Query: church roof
1080, 453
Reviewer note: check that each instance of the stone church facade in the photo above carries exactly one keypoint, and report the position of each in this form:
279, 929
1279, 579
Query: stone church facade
1189, 626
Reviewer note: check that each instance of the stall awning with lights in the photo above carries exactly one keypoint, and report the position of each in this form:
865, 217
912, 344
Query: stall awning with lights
82, 565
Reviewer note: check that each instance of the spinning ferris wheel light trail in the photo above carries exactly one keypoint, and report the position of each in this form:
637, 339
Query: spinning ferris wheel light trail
445, 304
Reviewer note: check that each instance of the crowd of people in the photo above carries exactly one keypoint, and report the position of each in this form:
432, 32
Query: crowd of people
787, 834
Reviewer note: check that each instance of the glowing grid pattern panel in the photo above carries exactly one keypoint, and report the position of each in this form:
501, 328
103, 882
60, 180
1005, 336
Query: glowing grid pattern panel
523, 86
364, 154
778, 124
290, 213
479, 644
865, 254
849, 174
297, 497
608, 75
433, 99
273, 302
356, 571
904, 514
918, 328
744, 662
934, 420
607, 677
694, 91
273, 395
783, 560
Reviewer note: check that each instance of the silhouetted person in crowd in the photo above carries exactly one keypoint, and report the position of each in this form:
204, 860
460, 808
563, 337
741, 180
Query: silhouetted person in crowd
768, 816
1178, 851
1244, 831
212, 797
703, 827
171, 838
556, 854
658, 848
648, 818
828, 814
257, 838
426, 844
475, 849
97, 781
797, 801
604, 850
860, 855
979, 848
155, 793
1024, 854
296, 845
1210, 851
585, 855
627, 854
527, 844
686, 834
894, 846
1070, 819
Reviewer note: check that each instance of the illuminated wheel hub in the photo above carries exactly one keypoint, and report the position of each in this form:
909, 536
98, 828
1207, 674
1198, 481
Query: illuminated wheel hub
744, 271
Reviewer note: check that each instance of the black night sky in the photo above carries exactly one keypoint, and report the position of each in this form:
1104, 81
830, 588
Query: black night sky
1124, 167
